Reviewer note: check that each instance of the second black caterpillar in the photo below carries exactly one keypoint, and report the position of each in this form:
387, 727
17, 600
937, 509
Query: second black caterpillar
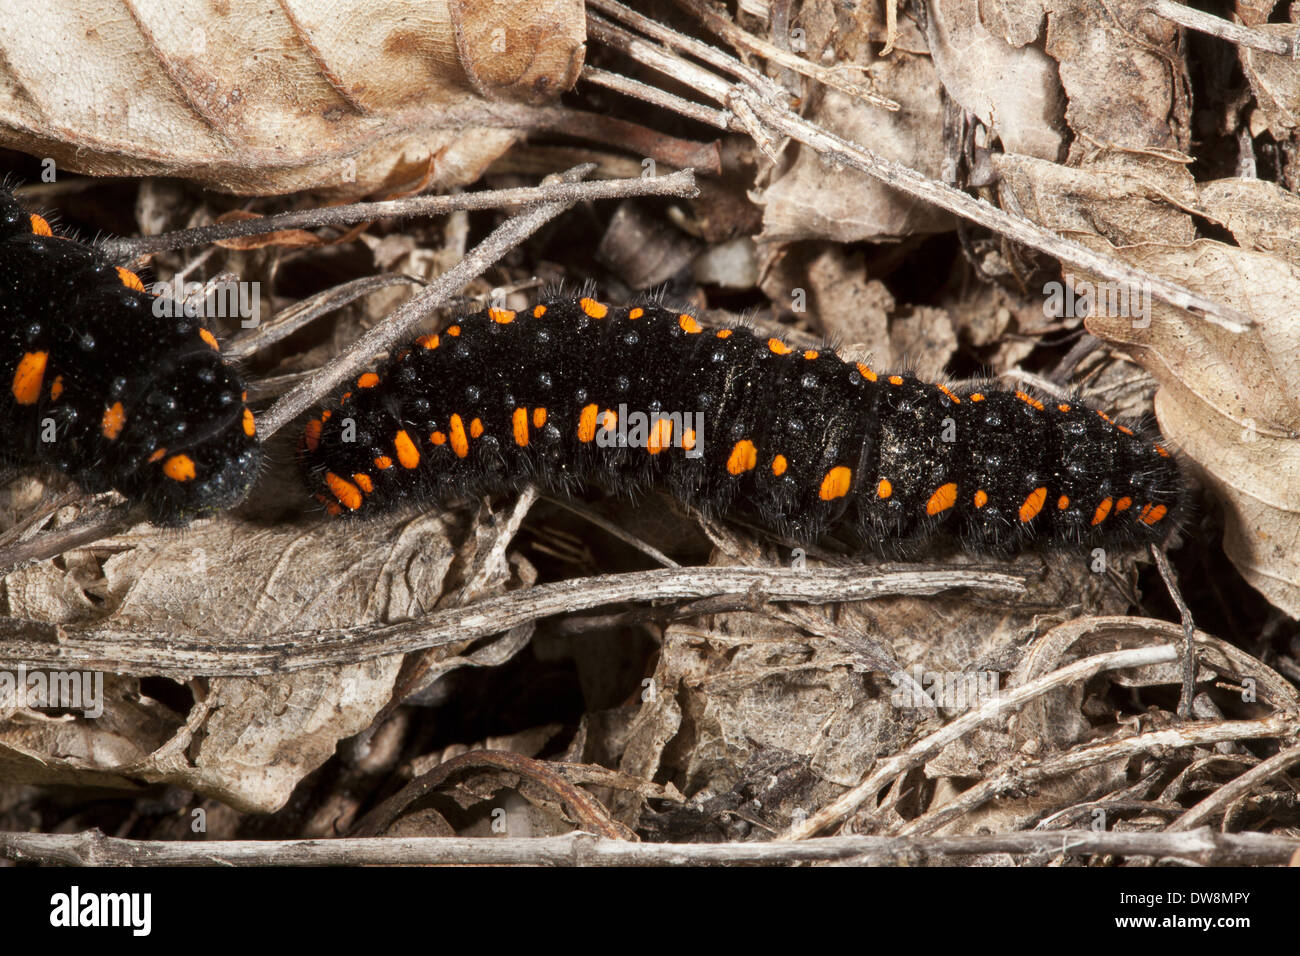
575, 391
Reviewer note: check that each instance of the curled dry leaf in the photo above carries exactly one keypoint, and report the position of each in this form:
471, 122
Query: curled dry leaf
1229, 401
982, 54
1275, 82
261, 97
247, 741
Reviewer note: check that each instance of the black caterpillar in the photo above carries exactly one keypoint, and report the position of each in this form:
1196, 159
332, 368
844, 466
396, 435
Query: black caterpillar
730, 421
109, 390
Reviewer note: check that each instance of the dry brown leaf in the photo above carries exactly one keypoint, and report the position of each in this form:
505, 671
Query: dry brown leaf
1260, 215
1011, 87
247, 741
1275, 82
253, 96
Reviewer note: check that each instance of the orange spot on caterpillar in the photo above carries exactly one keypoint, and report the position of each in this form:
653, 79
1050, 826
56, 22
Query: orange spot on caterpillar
1030, 400
779, 347
438, 438
688, 438
1062, 502
1161, 451
539, 311
250, 426
587, 423
346, 396
866, 373
56, 388
1033, 504
779, 464
325, 415
661, 436
311, 434
519, 425
539, 417
130, 279
597, 310
743, 457
1103, 509
331, 507
981, 498
977, 397
383, 462
475, 428
689, 325
1104, 417
456, 433
944, 497
1123, 504
1151, 515
885, 488
810, 354
836, 483
636, 313
29, 376
895, 380
408, 456
947, 391
179, 468
453, 330
348, 494
427, 341
363, 482
39, 226
368, 380
114, 420
724, 333
501, 316
157, 456
1126, 430
1062, 407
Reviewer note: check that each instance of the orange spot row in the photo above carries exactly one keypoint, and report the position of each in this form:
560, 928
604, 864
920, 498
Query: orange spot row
29, 376
597, 310
1030, 400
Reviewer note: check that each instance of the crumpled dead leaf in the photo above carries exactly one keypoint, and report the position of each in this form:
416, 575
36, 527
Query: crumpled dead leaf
257, 97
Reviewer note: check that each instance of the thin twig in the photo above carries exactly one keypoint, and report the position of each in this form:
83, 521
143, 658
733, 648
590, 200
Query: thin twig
92, 848
680, 184
656, 96
1189, 632
1013, 778
1203, 22
753, 102
140, 649
1218, 801
401, 322
995, 708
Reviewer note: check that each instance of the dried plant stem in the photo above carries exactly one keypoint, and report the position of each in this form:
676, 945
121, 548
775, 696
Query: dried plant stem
92, 848
1202, 22
137, 650
1189, 632
765, 116
681, 184
1015, 777
401, 322
652, 94
1217, 802
886, 770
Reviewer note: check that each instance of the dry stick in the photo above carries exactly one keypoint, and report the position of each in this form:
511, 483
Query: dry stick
848, 803
1092, 754
750, 100
140, 650
1232, 32
1218, 801
400, 323
354, 213
828, 76
1189, 632
93, 848
656, 96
